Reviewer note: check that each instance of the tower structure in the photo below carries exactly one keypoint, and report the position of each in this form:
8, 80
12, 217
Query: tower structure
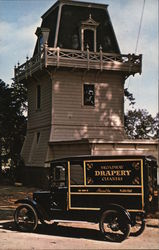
75, 82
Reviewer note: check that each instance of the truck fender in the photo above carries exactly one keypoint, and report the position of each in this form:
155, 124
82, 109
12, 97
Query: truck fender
124, 213
40, 211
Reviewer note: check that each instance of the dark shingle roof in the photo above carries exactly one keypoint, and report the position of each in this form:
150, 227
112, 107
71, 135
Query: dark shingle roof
64, 19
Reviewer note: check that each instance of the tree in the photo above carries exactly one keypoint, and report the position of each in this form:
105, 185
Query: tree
156, 126
19, 105
12, 122
5, 103
129, 97
19, 96
139, 124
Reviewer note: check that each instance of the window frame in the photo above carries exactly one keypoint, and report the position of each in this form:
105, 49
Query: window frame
38, 134
76, 165
54, 181
83, 95
92, 25
38, 97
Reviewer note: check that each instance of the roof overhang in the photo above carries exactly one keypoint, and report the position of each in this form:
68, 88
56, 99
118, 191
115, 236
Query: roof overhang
74, 3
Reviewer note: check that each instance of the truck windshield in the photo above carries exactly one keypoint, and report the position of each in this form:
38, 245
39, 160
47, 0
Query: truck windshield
58, 175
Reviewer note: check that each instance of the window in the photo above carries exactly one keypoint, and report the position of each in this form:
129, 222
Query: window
58, 175
76, 174
42, 35
88, 34
41, 43
38, 97
89, 95
37, 137
89, 40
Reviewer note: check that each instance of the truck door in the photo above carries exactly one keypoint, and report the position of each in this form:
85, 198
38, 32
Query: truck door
59, 186
75, 184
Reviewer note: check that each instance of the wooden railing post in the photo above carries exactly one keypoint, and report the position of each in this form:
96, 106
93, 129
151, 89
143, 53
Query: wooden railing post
58, 56
45, 54
130, 62
87, 56
101, 58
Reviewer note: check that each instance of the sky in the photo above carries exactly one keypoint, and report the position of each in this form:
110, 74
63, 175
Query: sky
20, 18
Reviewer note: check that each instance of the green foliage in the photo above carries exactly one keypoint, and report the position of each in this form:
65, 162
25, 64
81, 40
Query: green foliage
129, 97
139, 124
12, 122
156, 127
19, 95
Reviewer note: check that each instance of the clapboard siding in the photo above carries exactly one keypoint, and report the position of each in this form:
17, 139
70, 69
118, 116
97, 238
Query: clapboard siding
63, 116
127, 147
39, 153
41, 117
39, 121
64, 150
77, 133
27, 146
34, 153
72, 120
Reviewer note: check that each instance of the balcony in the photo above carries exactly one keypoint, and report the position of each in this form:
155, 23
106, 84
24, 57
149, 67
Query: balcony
129, 64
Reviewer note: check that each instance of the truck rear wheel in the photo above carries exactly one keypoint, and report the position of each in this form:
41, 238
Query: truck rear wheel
138, 226
113, 226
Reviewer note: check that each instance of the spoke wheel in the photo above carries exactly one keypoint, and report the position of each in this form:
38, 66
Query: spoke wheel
113, 227
25, 218
139, 227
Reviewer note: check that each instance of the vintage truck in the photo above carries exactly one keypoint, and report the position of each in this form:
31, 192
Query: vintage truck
115, 191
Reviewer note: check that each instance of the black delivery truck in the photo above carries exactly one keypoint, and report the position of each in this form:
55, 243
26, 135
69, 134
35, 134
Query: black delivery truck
115, 191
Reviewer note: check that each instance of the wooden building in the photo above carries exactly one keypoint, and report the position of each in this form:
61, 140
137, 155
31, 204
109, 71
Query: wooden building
75, 82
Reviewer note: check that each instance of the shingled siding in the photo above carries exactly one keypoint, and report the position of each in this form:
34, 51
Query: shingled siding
72, 120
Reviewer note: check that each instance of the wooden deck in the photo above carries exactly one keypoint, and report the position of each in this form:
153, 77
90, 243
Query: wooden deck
57, 57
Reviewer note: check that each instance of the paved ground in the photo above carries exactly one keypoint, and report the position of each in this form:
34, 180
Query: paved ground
73, 236
65, 235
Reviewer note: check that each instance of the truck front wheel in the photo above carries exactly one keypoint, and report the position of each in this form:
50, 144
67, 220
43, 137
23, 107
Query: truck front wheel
25, 218
113, 226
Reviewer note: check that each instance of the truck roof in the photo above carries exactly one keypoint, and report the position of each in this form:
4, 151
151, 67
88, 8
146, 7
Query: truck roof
102, 157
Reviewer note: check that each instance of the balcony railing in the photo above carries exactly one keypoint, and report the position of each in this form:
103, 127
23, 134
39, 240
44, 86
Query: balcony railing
57, 57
